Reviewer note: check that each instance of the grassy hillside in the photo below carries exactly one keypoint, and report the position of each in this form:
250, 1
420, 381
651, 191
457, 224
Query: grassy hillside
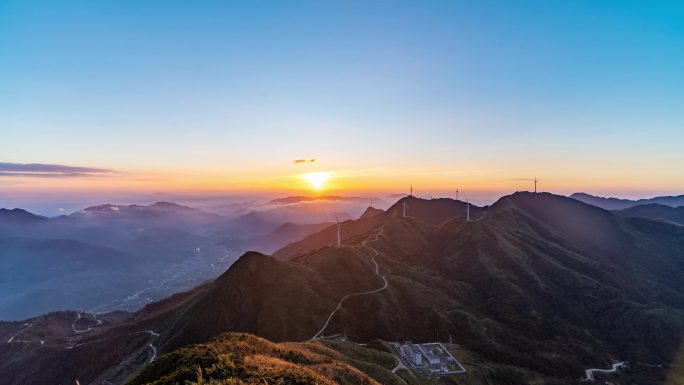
239, 358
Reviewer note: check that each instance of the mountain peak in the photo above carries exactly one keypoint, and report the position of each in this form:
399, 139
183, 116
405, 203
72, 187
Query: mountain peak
250, 260
19, 215
543, 203
371, 212
168, 204
432, 211
103, 207
552, 216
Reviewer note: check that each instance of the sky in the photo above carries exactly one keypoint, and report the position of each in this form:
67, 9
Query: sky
223, 97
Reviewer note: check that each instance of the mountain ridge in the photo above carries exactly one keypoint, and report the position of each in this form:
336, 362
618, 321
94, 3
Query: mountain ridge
654, 211
610, 203
512, 277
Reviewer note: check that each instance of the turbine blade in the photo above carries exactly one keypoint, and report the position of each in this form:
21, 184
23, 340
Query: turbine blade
519, 179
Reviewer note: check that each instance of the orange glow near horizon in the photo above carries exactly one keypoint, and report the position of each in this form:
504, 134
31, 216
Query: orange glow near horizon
437, 180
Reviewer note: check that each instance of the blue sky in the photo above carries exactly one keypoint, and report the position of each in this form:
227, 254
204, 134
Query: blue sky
588, 95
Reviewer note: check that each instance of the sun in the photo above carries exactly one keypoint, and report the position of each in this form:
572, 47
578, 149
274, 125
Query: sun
316, 179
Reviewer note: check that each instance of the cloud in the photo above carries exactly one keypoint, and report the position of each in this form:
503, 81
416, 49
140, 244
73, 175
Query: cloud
304, 161
39, 170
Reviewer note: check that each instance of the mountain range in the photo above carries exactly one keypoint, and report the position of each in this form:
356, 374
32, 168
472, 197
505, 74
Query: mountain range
533, 289
110, 257
619, 204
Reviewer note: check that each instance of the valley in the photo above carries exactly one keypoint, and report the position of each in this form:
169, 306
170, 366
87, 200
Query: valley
114, 257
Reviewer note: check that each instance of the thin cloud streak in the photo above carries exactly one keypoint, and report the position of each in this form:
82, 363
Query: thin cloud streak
39, 170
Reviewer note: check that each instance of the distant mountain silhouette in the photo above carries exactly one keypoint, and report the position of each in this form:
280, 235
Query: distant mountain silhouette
619, 204
18, 216
304, 198
158, 214
654, 211
256, 221
284, 234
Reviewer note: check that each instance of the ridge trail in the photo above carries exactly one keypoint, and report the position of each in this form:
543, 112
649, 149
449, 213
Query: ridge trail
374, 237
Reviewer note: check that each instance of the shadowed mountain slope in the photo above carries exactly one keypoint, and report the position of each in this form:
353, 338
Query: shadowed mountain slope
107, 348
328, 236
654, 211
275, 299
285, 234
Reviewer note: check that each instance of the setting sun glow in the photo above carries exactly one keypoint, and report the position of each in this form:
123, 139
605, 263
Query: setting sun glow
317, 179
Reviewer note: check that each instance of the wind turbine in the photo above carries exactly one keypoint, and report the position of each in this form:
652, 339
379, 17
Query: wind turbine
467, 210
411, 194
405, 206
338, 230
535, 180
456, 193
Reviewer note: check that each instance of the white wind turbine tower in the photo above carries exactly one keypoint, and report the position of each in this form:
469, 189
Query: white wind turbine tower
467, 210
535, 180
405, 206
338, 231
456, 193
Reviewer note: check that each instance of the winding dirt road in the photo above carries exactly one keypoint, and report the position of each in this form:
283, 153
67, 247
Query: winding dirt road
377, 272
78, 317
154, 349
589, 373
